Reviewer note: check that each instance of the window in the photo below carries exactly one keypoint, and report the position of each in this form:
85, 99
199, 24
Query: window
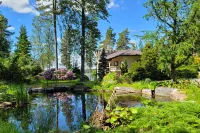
116, 63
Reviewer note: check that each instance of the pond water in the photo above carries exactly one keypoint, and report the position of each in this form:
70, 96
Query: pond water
64, 111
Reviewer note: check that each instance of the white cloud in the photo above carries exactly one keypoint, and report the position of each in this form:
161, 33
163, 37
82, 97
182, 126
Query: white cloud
20, 6
11, 28
112, 4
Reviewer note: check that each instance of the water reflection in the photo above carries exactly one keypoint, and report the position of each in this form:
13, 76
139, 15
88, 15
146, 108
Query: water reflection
60, 111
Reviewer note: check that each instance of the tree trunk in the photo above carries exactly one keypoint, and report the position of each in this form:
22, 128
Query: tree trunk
173, 70
83, 42
83, 106
55, 31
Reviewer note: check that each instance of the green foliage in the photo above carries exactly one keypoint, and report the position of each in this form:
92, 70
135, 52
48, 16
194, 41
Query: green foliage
68, 43
110, 40
123, 41
121, 116
124, 67
148, 67
109, 80
137, 71
5, 35
103, 66
6, 127
19, 92
187, 72
21, 68
165, 117
14, 93
23, 45
42, 42
178, 35
126, 78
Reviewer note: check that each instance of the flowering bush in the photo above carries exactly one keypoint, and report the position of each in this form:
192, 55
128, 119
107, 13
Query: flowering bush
64, 74
48, 74
60, 74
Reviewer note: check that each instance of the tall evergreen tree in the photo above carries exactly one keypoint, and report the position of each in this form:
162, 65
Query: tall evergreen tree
92, 37
103, 65
67, 43
123, 41
110, 40
23, 44
5, 35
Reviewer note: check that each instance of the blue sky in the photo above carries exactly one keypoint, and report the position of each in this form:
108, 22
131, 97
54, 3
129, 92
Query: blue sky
124, 14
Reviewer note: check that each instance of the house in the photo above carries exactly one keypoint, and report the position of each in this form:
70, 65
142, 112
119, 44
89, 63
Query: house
116, 58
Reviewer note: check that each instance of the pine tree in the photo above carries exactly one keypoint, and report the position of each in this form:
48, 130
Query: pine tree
123, 41
66, 49
110, 40
103, 65
4, 37
23, 44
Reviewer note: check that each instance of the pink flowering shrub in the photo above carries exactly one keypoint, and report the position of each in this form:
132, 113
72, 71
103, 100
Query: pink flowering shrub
64, 74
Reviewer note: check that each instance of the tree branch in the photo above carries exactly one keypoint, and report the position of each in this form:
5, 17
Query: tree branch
158, 16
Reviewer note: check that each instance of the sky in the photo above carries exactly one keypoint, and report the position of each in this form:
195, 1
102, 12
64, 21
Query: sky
123, 14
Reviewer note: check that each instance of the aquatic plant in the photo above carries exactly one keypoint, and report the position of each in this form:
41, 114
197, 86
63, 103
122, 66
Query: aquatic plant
19, 93
6, 127
164, 117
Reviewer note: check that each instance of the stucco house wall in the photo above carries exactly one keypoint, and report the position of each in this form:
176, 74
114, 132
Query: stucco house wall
131, 59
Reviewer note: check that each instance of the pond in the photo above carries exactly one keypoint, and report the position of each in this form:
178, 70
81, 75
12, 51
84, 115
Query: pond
65, 111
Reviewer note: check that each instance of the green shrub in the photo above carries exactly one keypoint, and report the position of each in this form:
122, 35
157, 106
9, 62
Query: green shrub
187, 72
126, 78
137, 72
109, 80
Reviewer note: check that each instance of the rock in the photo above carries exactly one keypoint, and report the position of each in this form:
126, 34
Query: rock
178, 95
146, 91
163, 91
126, 90
36, 90
79, 88
6, 104
1, 105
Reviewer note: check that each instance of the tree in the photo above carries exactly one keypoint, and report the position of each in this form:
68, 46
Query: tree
103, 65
49, 11
5, 35
42, 42
123, 41
178, 27
23, 45
92, 37
110, 40
66, 47
88, 12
